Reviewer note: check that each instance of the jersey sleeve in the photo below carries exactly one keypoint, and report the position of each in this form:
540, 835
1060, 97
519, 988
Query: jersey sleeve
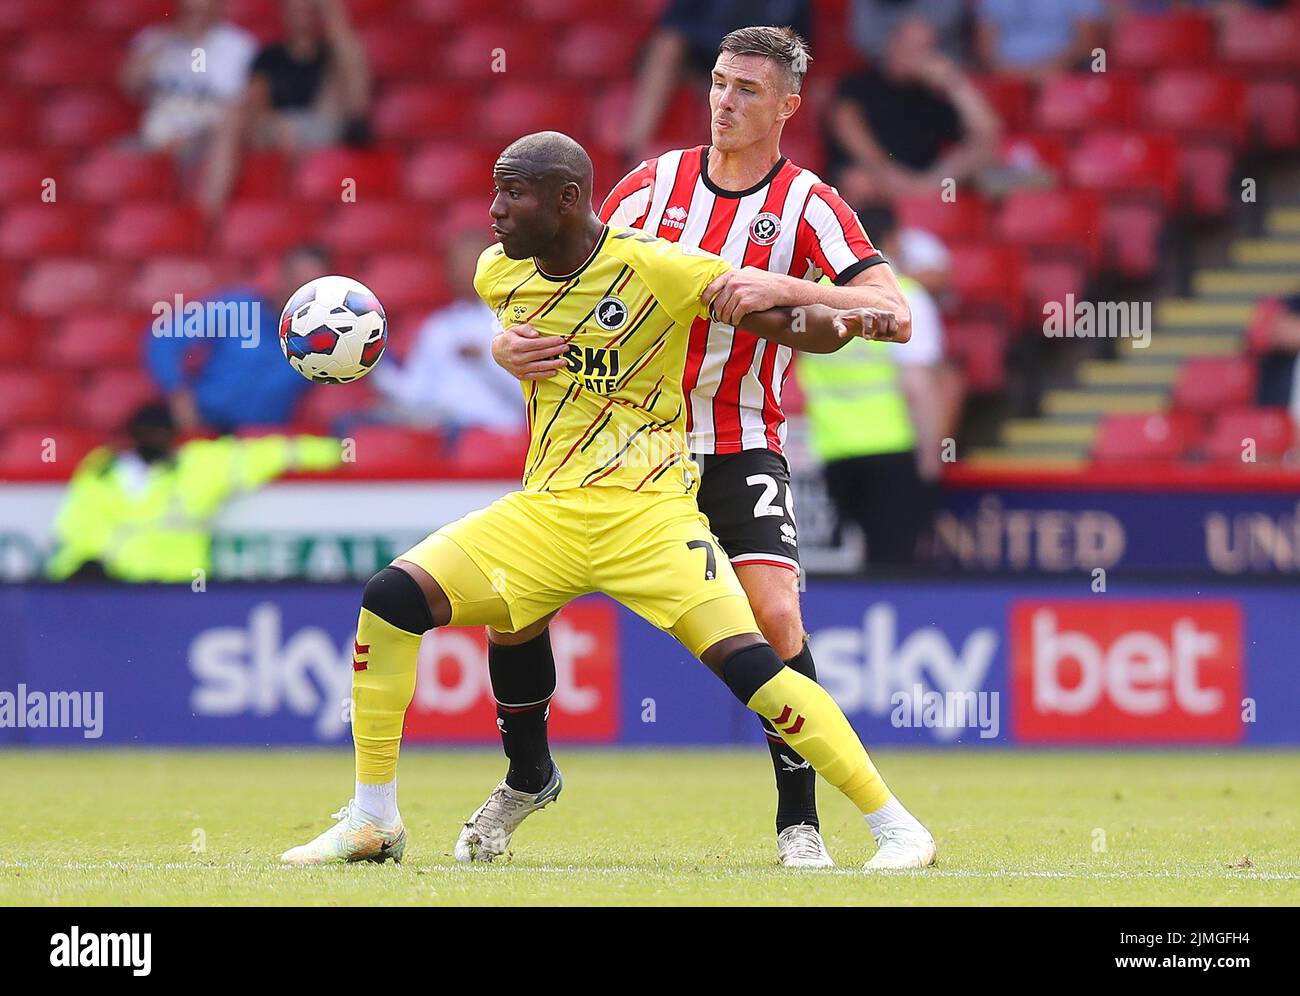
677, 276
629, 202
486, 274
832, 238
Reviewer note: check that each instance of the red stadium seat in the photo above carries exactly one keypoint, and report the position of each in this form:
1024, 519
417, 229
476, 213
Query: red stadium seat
377, 226
62, 286
1083, 101
93, 341
23, 174
1011, 98
1123, 438
86, 117
964, 219
319, 411
254, 228
1258, 40
18, 118
143, 230
444, 171
566, 11
263, 174
34, 396
122, 14
446, 13
1034, 153
1197, 102
404, 51
1269, 432
110, 176
385, 449
409, 284
987, 280
1127, 162
35, 229
45, 452
1273, 109
483, 453
160, 279
411, 112
321, 175
1211, 383
598, 50
1063, 230
26, 15
111, 396
19, 337
511, 109
980, 348
1162, 41
63, 58
492, 50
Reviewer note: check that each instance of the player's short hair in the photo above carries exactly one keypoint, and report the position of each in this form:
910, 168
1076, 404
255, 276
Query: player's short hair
784, 46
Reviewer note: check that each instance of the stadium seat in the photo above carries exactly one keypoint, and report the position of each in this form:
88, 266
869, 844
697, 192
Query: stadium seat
377, 226
1208, 384
86, 118
511, 109
486, 454
110, 176
1268, 431
254, 228
24, 15
34, 229
979, 347
1011, 98
1260, 41
263, 174
34, 396
1273, 111
62, 286
63, 58
1082, 101
19, 337
322, 411
385, 449
1162, 41
961, 220
1123, 438
23, 173
566, 11
409, 284
443, 171
161, 278
111, 396
18, 118
1197, 102
987, 281
411, 112
1062, 231
399, 51
494, 50
152, 228
122, 14
93, 341
598, 50
49, 452
1034, 152
321, 175
446, 13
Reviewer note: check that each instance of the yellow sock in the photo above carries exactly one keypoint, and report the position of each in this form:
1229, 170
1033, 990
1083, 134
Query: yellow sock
383, 682
809, 721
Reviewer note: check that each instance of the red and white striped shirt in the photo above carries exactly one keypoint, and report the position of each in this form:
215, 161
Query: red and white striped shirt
790, 222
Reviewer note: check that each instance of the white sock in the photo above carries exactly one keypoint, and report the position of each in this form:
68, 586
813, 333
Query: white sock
379, 801
891, 813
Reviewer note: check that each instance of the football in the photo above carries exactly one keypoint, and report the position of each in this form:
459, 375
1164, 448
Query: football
333, 330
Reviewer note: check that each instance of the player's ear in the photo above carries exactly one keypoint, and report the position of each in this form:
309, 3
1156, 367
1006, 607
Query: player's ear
570, 194
789, 105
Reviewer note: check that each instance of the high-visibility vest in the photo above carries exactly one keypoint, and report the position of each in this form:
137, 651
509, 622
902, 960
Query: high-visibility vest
155, 523
855, 400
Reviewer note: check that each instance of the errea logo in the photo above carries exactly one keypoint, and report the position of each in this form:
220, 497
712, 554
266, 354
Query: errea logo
675, 217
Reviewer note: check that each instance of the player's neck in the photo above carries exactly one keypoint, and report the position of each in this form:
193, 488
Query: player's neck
742, 170
571, 250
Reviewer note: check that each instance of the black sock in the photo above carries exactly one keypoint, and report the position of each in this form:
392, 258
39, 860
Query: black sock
796, 781
523, 681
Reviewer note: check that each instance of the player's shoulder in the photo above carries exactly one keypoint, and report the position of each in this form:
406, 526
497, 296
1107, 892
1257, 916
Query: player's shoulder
642, 250
493, 265
817, 188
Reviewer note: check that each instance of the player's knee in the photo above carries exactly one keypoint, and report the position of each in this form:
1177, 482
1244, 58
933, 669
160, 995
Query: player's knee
747, 670
781, 624
397, 598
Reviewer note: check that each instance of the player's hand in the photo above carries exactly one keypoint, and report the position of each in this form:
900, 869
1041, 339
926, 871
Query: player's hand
527, 354
738, 293
866, 323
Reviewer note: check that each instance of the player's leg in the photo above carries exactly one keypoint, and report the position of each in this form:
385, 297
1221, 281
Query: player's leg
521, 667
750, 507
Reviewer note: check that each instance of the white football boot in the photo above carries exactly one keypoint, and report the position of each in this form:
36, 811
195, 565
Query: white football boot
357, 836
487, 833
903, 845
801, 846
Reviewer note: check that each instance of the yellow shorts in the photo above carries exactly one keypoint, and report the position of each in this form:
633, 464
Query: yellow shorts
531, 552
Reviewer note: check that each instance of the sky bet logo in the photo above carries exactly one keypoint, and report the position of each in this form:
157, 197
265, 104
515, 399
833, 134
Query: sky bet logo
598, 368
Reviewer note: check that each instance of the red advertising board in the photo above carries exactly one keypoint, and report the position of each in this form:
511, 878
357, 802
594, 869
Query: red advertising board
1127, 671
453, 698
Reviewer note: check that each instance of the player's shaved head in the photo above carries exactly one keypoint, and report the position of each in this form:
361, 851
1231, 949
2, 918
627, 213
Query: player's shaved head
550, 157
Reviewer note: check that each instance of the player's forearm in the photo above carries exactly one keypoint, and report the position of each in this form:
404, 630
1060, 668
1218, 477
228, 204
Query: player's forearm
806, 327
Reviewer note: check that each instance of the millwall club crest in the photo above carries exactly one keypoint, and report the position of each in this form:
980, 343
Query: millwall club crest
611, 314
765, 228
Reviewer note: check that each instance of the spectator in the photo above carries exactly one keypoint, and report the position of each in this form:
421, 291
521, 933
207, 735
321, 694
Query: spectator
876, 414
449, 378
872, 22
222, 367
1035, 40
144, 513
309, 90
686, 45
1275, 334
188, 75
901, 129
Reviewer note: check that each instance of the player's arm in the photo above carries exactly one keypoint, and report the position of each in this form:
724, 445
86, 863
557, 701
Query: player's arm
816, 328
739, 293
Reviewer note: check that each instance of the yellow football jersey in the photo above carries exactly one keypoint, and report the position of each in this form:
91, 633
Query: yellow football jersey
616, 414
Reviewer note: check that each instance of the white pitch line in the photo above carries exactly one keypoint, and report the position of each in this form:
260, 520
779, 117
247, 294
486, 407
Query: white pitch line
607, 871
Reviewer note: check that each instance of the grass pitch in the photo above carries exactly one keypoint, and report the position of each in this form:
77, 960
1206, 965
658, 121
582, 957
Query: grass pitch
663, 827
